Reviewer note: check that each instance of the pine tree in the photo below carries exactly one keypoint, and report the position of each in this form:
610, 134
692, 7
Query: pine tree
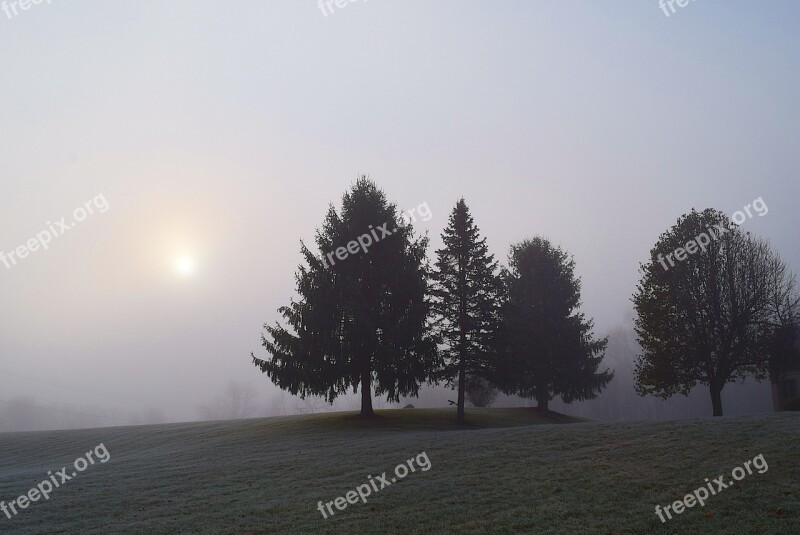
547, 347
465, 302
361, 320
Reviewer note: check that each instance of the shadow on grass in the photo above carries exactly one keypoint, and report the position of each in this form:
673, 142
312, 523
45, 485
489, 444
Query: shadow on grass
434, 419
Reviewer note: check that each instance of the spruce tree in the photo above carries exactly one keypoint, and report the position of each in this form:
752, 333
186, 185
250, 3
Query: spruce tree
362, 318
465, 303
547, 348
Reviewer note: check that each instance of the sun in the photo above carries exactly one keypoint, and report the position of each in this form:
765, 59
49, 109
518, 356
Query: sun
184, 265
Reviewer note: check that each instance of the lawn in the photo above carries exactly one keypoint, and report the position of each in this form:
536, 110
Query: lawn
510, 471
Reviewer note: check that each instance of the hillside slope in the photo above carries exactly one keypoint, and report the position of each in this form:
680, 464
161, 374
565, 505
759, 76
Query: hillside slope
268, 475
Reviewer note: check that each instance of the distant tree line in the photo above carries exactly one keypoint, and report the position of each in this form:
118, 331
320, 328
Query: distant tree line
386, 321
26, 413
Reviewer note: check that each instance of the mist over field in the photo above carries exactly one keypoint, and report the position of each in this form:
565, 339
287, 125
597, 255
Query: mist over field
224, 133
217, 213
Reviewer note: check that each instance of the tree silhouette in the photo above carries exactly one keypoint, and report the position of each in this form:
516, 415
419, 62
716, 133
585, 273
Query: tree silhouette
465, 302
547, 347
361, 317
709, 316
237, 401
783, 354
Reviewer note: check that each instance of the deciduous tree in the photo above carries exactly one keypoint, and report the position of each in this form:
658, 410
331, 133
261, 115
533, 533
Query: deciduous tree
710, 318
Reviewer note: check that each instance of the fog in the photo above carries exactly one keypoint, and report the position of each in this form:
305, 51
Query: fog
190, 146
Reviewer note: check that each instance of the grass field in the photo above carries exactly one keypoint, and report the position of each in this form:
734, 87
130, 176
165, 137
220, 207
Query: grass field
512, 471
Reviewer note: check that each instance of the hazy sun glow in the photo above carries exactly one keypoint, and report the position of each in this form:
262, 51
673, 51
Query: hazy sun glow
184, 265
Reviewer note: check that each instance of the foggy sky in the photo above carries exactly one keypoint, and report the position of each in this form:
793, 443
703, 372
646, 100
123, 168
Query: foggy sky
222, 130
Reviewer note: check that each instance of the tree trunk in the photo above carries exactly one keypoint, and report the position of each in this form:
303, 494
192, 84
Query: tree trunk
462, 346
543, 403
462, 387
716, 399
366, 394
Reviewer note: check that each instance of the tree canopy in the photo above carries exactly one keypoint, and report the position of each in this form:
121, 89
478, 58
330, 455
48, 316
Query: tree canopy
709, 316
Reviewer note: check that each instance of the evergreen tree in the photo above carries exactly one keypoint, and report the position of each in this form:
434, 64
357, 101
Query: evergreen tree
465, 302
362, 317
547, 348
